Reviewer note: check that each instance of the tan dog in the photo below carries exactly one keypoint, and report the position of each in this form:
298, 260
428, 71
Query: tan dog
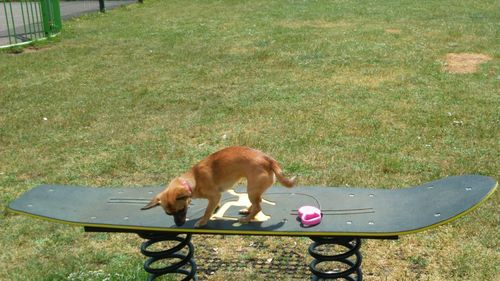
218, 172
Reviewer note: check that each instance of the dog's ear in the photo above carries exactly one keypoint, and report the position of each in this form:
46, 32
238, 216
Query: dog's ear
153, 203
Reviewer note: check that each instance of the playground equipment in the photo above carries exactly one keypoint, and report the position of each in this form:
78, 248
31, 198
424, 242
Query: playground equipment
348, 215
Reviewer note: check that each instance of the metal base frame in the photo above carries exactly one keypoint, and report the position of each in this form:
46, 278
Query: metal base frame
346, 255
341, 254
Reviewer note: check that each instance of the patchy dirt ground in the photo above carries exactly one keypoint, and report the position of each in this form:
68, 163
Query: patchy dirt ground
393, 30
464, 62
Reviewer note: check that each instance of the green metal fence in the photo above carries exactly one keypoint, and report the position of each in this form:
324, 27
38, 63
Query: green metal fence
23, 21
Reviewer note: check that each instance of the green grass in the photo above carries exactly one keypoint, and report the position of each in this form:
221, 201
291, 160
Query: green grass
139, 94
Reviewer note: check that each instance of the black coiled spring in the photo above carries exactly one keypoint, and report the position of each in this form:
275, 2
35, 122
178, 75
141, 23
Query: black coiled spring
175, 256
349, 261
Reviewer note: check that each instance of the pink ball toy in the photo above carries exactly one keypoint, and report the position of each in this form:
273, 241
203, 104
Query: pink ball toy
309, 215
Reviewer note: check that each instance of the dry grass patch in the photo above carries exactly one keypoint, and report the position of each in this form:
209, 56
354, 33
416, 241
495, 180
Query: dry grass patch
371, 79
393, 30
314, 24
463, 63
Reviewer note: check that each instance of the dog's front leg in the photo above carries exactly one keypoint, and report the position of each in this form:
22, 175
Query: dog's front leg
213, 202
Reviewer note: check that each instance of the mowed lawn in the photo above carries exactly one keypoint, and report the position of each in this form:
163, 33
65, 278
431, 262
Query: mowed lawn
383, 94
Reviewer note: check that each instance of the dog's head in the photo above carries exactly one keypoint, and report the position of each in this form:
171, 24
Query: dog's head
174, 200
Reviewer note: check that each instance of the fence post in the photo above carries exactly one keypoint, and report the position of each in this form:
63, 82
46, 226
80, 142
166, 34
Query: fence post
102, 8
51, 16
56, 19
44, 5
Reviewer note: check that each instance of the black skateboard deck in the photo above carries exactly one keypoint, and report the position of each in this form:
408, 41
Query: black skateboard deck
361, 212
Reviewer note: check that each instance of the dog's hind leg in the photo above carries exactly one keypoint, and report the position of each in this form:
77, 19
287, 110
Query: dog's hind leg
254, 209
255, 190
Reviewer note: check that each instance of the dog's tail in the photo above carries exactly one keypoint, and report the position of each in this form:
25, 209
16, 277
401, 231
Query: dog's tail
279, 174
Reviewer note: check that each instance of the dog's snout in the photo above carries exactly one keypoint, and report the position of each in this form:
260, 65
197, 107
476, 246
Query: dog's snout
179, 222
180, 217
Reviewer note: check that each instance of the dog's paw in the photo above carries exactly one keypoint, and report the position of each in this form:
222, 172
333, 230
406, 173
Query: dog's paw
244, 220
200, 224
